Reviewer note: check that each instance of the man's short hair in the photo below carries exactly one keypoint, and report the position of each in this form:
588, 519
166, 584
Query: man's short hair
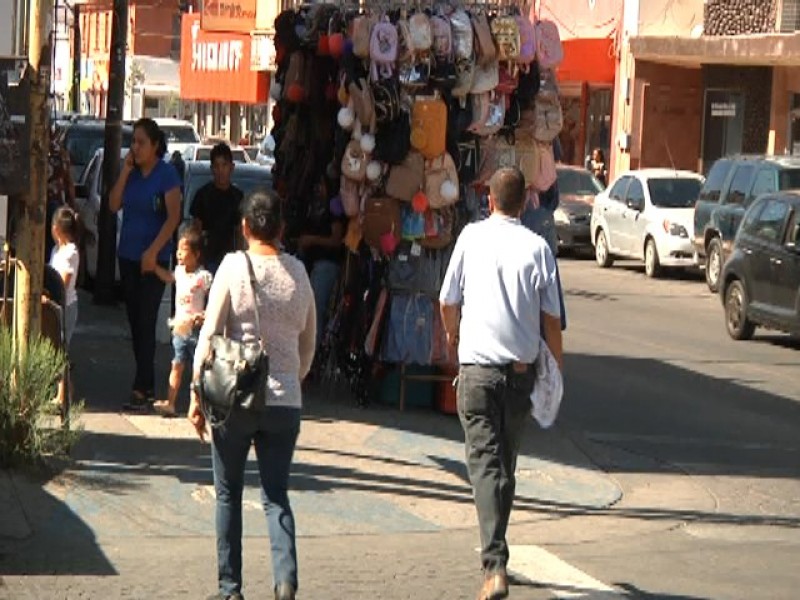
507, 187
221, 150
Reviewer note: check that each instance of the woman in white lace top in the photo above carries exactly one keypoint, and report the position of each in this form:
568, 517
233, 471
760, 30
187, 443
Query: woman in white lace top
288, 328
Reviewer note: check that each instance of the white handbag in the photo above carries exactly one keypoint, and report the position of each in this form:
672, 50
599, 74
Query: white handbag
548, 389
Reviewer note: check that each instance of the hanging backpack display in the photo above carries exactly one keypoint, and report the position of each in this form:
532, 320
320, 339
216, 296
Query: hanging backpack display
362, 35
549, 114
443, 72
507, 38
383, 50
489, 114
438, 229
463, 52
386, 100
393, 140
407, 178
419, 27
354, 162
382, 216
485, 49
549, 51
296, 84
429, 126
527, 42
441, 181
545, 167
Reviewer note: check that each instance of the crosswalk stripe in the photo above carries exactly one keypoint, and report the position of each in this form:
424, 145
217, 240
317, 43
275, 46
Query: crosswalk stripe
544, 569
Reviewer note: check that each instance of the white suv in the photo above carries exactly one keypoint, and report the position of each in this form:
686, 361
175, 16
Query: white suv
647, 215
180, 135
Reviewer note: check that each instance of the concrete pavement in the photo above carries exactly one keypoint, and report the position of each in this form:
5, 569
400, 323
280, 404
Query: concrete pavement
381, 497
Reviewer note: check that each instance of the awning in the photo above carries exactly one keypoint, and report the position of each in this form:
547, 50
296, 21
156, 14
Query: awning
589, 60
771, 49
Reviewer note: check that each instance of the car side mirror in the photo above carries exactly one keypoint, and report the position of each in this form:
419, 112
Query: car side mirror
637, 204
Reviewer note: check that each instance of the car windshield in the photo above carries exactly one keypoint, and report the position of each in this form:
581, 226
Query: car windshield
246, 182
674, 192
574, 182
82, 144
205, 154
179, 134
789, 179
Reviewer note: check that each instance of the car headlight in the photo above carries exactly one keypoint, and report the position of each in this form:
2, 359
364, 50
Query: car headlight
562, 217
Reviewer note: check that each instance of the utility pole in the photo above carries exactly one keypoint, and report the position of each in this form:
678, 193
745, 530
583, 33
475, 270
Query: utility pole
76, 58
33, 203
106, 221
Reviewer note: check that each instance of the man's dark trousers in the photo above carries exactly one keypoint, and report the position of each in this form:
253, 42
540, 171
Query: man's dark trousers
494, 406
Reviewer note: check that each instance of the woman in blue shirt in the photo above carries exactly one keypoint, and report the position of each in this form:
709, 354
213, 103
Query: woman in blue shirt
148, 189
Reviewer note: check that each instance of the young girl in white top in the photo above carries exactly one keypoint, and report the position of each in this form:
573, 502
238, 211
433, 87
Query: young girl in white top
66, 260
192, 283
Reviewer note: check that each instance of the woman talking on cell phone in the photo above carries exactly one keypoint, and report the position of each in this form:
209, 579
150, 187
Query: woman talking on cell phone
148, 191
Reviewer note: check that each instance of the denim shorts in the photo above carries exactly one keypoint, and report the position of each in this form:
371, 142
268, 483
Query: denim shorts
184, 347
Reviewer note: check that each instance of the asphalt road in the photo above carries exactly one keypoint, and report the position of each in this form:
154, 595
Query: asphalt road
702, 432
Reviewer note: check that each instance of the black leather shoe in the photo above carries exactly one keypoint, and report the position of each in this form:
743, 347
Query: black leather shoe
284, 591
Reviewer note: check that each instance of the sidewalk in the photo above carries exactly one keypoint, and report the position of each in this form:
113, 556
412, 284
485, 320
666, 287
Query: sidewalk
382, 503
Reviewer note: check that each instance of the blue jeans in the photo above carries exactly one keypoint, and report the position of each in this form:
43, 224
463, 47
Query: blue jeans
323, 276
274, 434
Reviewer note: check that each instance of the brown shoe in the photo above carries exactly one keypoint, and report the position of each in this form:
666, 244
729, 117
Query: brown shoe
495, 586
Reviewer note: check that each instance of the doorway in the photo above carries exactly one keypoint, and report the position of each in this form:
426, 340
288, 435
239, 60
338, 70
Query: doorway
723, 125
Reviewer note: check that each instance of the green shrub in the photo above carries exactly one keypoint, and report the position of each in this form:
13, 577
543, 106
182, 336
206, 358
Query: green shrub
27, 388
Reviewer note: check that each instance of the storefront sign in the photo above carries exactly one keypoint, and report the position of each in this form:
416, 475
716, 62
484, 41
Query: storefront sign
217, 66
238, 16
262, 53
723, 109
14, 130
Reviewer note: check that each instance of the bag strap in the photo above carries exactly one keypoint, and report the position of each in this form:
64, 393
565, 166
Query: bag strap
252, 275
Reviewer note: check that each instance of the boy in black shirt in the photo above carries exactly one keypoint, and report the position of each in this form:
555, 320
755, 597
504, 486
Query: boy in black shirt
216, 209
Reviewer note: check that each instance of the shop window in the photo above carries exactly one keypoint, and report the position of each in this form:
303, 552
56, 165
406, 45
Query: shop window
723, 130
790, 16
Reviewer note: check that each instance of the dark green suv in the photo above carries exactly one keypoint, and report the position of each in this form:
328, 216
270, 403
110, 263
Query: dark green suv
731, 186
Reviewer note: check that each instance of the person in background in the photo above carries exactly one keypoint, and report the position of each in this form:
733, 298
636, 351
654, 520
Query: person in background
597, 165
321, 247
216, 207
180, 166
192, 283
65, 259
285, 305
148, 189
498, 301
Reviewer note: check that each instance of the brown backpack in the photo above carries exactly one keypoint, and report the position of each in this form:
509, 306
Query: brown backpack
407, 178
382, 216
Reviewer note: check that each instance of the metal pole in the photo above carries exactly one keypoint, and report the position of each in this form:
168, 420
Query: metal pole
76, 58
107, 222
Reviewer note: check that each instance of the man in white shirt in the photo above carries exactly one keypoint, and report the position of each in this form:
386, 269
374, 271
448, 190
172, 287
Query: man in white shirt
498, 298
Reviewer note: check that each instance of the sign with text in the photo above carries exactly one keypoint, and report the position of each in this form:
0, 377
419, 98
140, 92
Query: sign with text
14, 130
232, 16
217, 66
262, 54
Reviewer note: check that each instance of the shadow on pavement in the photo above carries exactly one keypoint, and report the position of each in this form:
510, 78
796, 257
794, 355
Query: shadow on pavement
59, 542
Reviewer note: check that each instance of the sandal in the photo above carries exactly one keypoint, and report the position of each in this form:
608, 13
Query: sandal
163, 408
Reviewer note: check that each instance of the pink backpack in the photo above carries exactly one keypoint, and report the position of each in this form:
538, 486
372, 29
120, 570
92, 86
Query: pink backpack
527, 37
383, 50
549, 51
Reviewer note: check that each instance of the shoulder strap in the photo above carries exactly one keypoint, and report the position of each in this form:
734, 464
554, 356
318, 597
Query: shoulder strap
252, 275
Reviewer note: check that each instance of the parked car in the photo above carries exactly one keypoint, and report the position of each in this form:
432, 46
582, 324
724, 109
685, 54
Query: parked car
266, 155
180, 134
732, 185
647, 215
247, 177
760, 283
88, 195
577, 188
203, 152
82, 139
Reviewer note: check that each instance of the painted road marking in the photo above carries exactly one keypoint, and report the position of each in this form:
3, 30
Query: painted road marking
545, 570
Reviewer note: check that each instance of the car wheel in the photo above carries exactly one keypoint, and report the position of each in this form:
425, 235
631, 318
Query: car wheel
713, 264
652, 267
601, 253
739, 326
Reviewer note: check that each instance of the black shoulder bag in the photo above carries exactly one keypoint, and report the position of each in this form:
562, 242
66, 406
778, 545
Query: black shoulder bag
235, 374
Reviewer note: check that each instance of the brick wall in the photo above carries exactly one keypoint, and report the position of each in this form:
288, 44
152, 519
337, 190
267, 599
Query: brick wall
739, 17
756, 84
670, 117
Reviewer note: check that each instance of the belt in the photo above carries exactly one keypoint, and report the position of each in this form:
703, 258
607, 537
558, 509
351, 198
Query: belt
514, 367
